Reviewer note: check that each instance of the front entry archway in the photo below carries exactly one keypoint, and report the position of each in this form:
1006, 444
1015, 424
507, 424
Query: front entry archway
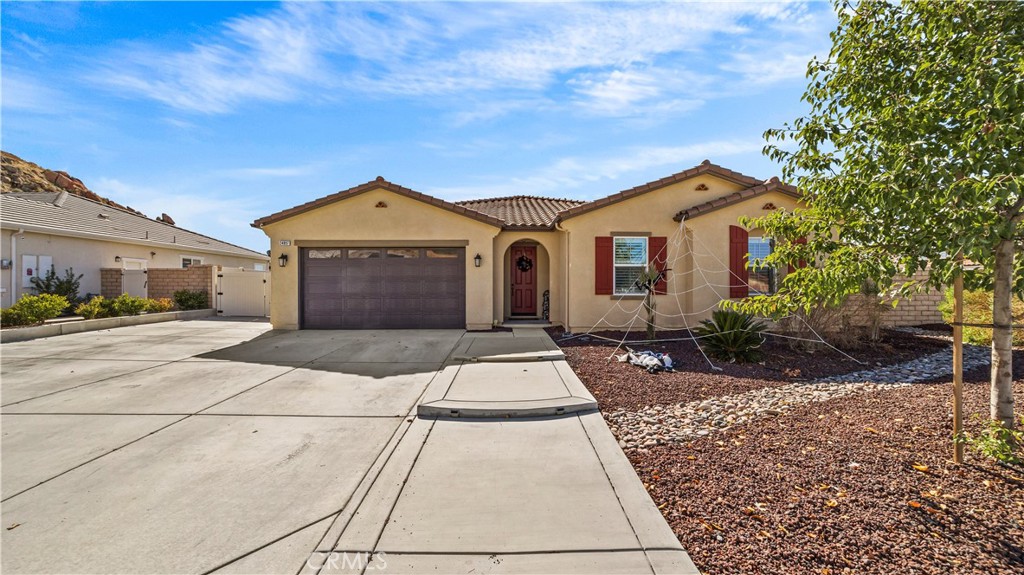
524, 280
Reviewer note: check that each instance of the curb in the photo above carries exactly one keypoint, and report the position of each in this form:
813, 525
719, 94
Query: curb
69, 327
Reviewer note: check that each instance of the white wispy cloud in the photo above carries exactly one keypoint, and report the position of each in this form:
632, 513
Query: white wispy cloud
269, 172
615, 60
24, 93
222, 217
596, 176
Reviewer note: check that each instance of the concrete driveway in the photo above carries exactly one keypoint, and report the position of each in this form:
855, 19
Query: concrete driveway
220, 446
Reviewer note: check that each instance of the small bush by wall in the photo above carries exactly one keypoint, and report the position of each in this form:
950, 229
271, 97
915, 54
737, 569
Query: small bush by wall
188, 299
33, 309
122, 305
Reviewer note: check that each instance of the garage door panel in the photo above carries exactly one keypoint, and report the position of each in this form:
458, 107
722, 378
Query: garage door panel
441, 306
361, 305
383, 288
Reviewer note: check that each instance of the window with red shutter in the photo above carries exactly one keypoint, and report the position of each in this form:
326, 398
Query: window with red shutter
604, 273
657, 250
737, 262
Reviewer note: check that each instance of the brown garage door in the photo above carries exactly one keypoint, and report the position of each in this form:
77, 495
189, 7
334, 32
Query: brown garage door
383, 288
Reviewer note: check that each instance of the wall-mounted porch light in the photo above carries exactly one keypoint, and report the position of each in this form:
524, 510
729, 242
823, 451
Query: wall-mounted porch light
282, 260
117, 258
477, 260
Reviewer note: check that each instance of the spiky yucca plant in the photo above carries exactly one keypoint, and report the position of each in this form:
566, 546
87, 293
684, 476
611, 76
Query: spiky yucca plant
731, 336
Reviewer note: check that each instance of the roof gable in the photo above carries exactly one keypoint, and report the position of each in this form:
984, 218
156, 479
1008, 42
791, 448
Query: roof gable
772, 185
379, 183
705, 167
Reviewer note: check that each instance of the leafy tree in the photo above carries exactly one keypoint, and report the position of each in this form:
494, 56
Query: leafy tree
51, 283
911, 153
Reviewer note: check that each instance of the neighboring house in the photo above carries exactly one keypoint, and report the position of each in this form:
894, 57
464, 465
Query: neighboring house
382, 256
62, 229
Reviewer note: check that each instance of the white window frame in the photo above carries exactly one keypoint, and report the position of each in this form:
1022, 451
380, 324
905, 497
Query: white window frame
193, 261
259, 267
773, 273
616, 265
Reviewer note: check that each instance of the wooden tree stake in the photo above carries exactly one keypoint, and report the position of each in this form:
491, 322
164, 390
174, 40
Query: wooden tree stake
958, 363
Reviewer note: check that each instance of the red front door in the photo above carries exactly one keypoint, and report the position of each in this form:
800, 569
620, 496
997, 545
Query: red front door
524, 280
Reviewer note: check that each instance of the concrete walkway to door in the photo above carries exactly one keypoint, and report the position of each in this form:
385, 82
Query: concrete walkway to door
218, 446
508, 469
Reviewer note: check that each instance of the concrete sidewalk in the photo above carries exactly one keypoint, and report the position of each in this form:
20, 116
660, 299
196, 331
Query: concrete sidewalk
220, 446
508, 492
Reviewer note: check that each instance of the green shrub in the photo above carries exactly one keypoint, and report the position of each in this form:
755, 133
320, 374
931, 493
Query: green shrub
998, 442
731, 336
159, 305
125, 304
978, 309
96, 307
66, 286
32, 309
11, 317
187, 299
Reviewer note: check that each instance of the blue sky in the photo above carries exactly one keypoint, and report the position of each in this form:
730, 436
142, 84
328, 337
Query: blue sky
219, 113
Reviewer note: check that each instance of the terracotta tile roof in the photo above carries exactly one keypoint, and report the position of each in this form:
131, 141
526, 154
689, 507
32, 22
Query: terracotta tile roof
379, 183
67, 214
705, 167
523, 212
772, 185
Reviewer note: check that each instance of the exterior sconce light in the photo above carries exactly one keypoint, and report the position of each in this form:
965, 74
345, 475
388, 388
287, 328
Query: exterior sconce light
117, 258
282, 260
152, 254
477, 260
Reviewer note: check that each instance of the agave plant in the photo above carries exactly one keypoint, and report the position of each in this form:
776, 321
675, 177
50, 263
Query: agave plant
731, 336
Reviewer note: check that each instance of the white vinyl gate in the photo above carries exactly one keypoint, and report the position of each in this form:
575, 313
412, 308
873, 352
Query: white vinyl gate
243, 293
135, 282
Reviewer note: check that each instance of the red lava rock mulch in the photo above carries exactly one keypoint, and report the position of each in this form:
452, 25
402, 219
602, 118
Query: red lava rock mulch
619, 385
832, 488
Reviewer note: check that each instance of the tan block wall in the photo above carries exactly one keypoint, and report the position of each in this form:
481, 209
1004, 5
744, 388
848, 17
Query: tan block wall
110, 282
163, 282
922, 308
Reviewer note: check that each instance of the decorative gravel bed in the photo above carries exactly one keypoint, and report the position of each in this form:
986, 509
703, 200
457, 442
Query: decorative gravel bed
832, 487
682, 422
622, 386
833, 477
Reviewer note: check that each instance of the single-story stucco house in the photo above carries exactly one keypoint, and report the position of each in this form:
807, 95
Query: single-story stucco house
383, 256
60, 229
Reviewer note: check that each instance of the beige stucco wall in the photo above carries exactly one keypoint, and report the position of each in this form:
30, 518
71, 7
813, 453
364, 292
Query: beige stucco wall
550, 275
699, 266
405, 219
88, 256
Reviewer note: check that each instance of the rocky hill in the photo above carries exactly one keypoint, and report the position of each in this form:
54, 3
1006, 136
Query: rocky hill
17, 175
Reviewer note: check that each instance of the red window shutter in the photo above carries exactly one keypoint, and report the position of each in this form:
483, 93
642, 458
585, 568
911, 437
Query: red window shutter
657, 255
738, 262
604, 272
801, 263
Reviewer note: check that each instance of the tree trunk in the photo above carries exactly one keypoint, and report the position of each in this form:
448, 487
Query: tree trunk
649, 305
1002, 336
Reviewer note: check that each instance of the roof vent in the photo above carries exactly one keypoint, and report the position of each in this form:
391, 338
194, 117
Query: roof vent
166, 219
61, 198
103, 216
